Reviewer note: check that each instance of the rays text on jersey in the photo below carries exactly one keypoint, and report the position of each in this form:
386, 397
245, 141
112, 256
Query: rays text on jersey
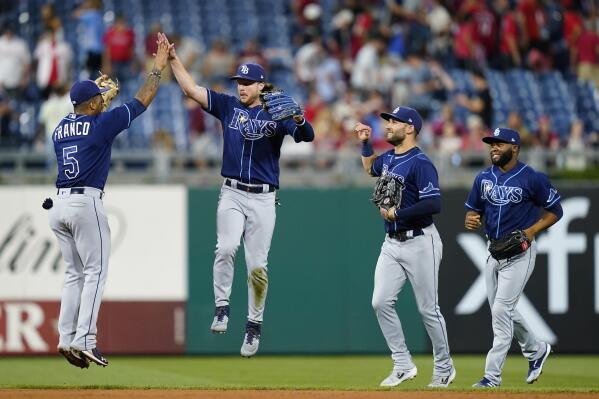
500, 195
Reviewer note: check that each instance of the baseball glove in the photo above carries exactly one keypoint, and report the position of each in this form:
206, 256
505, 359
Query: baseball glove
279, 105
509, 246
105, 81
387, 192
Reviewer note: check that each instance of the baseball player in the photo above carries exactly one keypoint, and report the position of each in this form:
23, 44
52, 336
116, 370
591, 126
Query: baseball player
252, 141
82, 142
412, 249
508, 194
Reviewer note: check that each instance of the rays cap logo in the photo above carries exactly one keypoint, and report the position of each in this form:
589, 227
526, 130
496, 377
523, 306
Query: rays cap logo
406, 115
253, 72
503, 135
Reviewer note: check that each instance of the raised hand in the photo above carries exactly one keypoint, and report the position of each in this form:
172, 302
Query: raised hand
363, 131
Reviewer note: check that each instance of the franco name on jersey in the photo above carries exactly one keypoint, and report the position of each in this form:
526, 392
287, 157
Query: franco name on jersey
71, 129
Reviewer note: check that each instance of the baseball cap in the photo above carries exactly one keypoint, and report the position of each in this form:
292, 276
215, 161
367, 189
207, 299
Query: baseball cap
84, 90
253, 72
503, 135
406, 115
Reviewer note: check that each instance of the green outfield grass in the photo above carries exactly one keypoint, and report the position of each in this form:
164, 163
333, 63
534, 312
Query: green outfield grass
561, 373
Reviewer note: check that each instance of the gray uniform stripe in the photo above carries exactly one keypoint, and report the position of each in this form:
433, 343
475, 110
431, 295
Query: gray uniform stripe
99, 275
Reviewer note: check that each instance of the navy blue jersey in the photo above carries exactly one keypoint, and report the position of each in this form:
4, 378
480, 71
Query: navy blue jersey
252, 140
83, 144
512, 200
420, 180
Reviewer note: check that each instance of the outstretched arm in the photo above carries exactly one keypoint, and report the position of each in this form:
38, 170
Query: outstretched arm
148, 91
188, 86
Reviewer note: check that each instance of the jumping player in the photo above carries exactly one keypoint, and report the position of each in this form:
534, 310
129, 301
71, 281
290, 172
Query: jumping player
82, 142
509, 194
412, 249
252, 144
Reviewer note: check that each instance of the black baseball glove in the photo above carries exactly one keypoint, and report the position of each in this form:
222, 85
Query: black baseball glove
279, 105
387, 192
509, 246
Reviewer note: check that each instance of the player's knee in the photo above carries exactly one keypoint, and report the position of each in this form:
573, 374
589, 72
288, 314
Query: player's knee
499, 309
380, 303
226, 250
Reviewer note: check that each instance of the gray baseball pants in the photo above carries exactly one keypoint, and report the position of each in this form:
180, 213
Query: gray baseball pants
416, 260
251, 216
80, 224
505, 280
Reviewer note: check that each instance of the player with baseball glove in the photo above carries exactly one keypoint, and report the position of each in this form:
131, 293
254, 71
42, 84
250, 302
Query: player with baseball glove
509, 195
407, 196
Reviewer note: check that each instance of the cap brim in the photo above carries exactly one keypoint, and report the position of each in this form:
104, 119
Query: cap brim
491, 139
103, 90
386, 116
244, 78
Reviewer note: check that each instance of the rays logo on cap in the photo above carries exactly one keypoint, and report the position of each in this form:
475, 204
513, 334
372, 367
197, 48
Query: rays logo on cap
244, 69
496, 132
396, 110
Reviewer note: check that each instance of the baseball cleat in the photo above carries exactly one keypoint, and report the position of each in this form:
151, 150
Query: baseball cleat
485, 383
93, 355
535, 367
221, 319
251, 340
398, 376
74, 358
439, 381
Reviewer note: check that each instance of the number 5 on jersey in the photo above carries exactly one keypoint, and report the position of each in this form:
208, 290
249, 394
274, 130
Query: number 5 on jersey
69, 160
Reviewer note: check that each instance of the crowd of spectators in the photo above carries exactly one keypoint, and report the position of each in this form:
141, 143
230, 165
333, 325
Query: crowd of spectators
367, 57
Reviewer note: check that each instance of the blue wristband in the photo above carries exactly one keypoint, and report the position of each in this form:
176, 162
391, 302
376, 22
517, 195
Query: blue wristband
367, 150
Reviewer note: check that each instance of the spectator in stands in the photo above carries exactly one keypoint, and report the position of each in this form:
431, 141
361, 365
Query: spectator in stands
151, 44
440, 22
91, 26
219, 63
508, 55
416, 81
447, 121
366, 71
531, 18
362, 29
514, 122
54, 59
51, 21
484, 29
328, 76
15, 60
575, 158
9, 125
586, 54
57, 106
476, 131
119, 45
252, 53
464, 46
307, 59
190, 53
545, 137
479, 102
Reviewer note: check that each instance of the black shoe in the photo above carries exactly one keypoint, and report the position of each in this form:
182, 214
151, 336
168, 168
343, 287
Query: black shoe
95, 356
74, 358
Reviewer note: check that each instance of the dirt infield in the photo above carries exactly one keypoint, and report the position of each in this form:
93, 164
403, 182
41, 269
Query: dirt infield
274, 394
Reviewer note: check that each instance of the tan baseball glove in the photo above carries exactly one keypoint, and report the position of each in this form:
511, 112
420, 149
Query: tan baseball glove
104, 81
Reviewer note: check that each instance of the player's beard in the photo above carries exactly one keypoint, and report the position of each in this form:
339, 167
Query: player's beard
504, 159
396, 138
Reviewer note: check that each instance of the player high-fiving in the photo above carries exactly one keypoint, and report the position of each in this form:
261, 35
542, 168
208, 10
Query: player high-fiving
82, 142
253, 133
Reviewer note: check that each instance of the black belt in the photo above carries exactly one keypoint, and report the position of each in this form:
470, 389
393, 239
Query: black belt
405, 235
249, 188
76, 190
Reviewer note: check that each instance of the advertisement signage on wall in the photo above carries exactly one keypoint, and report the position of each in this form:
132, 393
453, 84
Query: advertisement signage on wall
147, 269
